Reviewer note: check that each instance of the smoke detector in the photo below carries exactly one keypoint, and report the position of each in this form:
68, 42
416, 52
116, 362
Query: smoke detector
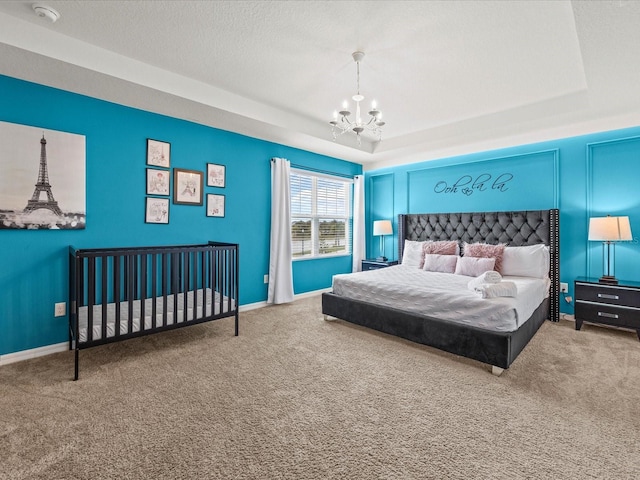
45, 11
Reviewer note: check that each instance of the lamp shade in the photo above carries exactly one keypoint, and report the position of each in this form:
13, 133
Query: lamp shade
609, 229
382, 227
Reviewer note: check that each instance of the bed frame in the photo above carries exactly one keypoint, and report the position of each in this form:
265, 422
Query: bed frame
498, 349
121, 293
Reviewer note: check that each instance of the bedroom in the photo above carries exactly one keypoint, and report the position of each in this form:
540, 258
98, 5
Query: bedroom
571, 171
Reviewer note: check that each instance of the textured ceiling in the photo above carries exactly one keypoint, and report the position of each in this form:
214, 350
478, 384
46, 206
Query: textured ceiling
450, 77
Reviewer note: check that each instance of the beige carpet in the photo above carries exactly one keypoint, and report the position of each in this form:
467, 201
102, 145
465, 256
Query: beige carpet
296, 397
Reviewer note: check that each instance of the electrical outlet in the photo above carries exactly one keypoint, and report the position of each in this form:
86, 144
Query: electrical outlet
266, 278
564, 287
60, 309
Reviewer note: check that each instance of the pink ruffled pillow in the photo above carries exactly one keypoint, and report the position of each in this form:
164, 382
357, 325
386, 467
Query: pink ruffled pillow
484, 250
440, 247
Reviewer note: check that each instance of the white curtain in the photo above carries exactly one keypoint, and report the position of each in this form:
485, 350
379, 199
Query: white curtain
280, 268
359, 244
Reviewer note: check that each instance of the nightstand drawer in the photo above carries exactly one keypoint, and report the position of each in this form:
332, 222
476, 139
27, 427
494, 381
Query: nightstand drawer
612, 295
372, 266
609, 314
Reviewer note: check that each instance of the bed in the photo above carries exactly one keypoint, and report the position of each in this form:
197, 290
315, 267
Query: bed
495, 347
120, 293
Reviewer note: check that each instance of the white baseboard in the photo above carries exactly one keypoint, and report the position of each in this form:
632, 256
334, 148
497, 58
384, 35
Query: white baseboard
311, 294
251, 306
61, 347
33, 353
300, 296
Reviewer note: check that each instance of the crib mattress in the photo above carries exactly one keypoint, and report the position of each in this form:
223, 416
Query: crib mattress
211, 304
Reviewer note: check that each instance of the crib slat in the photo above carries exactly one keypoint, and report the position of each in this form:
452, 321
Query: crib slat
130, 291
165, 279
117, 298
154, 291
193, 261
231, 290
229, 280
202, 258
81, 282
185, 258
175, 271
91, 296
103, 293
143, 288
221, 278
236, 297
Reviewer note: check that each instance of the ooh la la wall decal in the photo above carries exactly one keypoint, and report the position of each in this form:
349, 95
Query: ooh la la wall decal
467, 184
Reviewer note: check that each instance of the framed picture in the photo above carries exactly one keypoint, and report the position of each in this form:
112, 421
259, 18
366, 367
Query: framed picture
158, 153
215, 205
156, 210
55, 163
158, 181
215, 175
187, 187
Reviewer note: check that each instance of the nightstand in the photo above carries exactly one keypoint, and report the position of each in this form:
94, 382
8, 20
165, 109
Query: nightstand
617, 305
373, 264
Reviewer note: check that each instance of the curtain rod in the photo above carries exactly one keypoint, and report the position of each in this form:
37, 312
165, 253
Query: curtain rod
326, 172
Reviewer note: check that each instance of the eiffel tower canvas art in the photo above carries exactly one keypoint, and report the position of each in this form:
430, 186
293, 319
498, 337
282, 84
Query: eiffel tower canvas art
59, 167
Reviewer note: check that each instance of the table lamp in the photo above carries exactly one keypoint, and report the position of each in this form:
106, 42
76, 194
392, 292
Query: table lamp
382, 228
609, 230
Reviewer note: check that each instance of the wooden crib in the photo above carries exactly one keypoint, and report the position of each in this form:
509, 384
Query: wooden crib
121, 293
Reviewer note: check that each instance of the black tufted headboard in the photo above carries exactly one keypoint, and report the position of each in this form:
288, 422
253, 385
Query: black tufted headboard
526, 227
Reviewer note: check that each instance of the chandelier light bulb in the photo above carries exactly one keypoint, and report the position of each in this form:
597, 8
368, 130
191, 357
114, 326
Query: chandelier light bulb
345, 105
373, 105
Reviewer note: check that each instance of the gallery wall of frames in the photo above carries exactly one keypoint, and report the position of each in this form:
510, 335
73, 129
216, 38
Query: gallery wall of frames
188, 185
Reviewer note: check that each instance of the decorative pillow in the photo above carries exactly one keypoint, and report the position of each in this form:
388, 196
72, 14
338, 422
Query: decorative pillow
442, 247
474, 266
484, 250
440, 263
528, 261
412, 255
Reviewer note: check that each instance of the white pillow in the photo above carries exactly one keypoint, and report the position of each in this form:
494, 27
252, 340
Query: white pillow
412, 256
474, 266
528, 261
440, 263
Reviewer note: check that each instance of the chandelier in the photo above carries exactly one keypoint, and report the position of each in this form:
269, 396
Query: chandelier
342, 122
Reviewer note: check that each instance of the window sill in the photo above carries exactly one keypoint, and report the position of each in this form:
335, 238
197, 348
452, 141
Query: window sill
319, 257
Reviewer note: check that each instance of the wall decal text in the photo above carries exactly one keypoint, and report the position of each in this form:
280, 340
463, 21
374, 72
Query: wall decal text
467, 184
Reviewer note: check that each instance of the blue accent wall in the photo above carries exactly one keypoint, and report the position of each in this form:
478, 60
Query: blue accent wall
33, 264
583, 176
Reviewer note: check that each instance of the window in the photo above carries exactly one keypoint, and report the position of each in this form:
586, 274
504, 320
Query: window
320, 215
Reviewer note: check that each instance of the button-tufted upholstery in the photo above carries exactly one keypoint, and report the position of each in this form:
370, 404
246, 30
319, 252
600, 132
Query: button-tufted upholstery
513, 228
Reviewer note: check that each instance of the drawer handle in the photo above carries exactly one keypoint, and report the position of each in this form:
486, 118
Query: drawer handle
607, 315
608, 297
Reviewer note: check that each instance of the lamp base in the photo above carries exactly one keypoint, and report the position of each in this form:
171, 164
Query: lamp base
381, 259
608, 279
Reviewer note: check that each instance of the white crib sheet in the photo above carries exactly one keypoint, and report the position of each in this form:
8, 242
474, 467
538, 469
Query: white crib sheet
211, 308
